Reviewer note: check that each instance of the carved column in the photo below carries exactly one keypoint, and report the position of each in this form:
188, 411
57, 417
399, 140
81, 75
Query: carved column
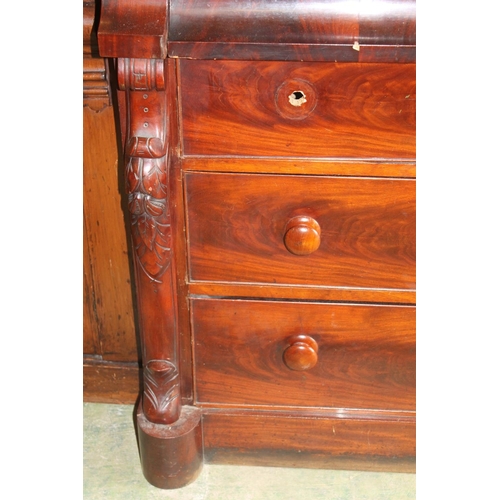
146, 171
169, 434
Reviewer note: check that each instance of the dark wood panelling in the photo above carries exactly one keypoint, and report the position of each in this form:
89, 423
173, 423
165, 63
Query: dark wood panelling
350, 111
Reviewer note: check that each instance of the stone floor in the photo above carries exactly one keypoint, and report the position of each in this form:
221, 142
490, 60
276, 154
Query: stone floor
112, 471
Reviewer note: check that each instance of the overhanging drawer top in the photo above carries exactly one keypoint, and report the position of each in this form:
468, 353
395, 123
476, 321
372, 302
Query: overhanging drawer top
292, 29
327, 30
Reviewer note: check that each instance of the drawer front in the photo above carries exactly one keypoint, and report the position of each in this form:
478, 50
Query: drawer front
240, 229
344, 110
243, 351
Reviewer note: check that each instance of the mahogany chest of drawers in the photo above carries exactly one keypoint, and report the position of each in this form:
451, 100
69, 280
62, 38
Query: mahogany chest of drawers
270, 164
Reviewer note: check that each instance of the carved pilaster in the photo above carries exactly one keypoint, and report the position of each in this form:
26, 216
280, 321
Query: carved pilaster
146, 163
147, 184
169, 433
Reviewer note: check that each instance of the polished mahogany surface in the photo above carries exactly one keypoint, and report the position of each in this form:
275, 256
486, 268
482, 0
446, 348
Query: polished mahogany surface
365, 354
300, 30
293, 29
269, 159
344, 441
248, 109
367, 229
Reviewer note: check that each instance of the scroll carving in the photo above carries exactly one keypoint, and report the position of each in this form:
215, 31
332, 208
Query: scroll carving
141, 74
161, 389
146, 163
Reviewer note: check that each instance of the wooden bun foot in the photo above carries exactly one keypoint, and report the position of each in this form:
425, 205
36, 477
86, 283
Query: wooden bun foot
171, 455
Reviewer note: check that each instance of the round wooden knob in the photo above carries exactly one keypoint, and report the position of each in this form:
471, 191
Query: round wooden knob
301, 353
302, 235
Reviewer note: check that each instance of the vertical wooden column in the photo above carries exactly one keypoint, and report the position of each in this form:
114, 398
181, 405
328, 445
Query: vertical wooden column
169, 435
170, 439
146, 171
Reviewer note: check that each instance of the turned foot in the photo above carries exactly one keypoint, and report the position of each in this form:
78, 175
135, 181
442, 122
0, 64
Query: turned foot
171, 455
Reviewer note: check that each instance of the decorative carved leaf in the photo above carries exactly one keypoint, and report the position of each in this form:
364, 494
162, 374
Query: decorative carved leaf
154, 180
133, 173
161, 384
154, 208
135, 204
150, 220
147, 230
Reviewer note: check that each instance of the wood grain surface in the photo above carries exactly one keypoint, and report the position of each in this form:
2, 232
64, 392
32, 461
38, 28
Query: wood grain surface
109, 323
366, 354
301, 30
352, 110
293, 21
236, 226
129, 28
223, 289
293, 29
322, 442
110, 382
291, 165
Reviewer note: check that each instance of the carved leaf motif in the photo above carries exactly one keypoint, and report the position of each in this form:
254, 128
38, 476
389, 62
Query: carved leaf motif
133, 174
161, 384
148, 204
155, 208
154, 180
147, 229
135, 204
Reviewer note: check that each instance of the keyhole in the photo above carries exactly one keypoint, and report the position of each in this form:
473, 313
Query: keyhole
297, 98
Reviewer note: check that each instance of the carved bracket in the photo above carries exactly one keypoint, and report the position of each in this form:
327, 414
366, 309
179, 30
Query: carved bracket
146, 162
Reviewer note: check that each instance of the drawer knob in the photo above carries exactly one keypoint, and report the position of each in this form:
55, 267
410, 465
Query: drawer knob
301, 353
302, 235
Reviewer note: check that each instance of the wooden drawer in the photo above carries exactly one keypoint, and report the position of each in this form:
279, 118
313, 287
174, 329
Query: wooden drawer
347, 110
238, 226
365, 354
